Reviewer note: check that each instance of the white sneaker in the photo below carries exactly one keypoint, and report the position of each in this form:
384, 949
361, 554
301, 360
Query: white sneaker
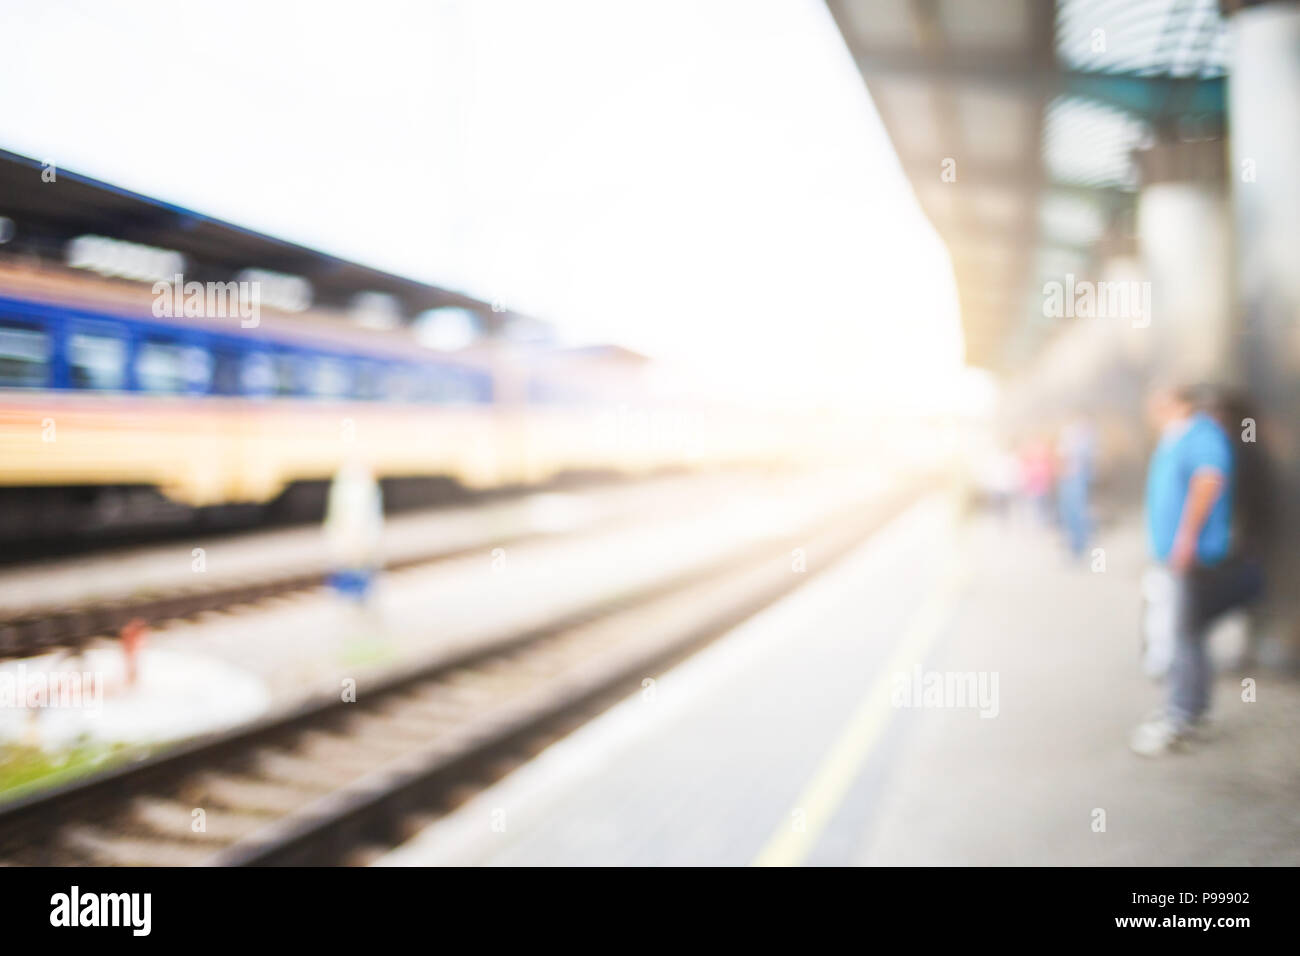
1157, 737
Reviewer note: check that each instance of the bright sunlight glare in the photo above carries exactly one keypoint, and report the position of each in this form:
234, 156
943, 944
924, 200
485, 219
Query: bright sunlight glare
703, 181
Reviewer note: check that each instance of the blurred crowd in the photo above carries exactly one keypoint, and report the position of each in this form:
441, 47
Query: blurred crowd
1047, 475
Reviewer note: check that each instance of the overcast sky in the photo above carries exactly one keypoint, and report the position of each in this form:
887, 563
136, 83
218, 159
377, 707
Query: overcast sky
703, 179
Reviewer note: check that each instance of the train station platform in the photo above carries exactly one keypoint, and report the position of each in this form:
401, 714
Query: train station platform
806, 735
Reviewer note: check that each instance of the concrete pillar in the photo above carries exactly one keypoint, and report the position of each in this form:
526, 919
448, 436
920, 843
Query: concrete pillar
1264, 111
1264, 133
1264, 100
1184, 235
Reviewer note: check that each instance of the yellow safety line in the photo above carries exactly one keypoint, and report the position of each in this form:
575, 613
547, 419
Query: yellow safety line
790, 846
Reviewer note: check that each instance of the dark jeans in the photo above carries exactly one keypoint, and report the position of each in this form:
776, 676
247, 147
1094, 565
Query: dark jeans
1202, 595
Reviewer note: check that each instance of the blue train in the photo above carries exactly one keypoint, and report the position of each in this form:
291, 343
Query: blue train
53, 346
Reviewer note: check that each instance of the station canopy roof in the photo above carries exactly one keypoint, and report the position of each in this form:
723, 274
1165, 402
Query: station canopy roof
1040, 106
48, 214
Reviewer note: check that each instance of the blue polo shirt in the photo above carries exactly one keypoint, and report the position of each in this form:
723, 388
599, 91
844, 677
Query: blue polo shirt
1184, 449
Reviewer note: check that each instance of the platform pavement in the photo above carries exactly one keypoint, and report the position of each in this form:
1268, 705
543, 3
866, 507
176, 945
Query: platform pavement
1031, 781
781, 743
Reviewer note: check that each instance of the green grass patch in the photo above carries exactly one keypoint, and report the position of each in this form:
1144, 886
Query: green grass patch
25, 769
358, 652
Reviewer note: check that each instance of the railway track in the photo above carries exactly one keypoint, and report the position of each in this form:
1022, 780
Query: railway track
334, 781
31, 632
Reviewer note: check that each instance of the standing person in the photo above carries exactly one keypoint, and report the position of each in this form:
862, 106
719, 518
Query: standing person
354, 527
1189, 515
1036, 476
1075, 451
997, 476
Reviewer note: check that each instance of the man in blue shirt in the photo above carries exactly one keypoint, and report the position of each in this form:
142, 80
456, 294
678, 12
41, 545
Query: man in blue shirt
1189, 521
1189, 486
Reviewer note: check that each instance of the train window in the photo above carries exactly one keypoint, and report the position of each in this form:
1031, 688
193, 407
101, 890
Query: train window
454, 386
370, 381
24, 356
434, 390
225, 372
402, 384
172, 368
421, 384
291, 375
198, 368
257, 374
97, 361
330, 378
